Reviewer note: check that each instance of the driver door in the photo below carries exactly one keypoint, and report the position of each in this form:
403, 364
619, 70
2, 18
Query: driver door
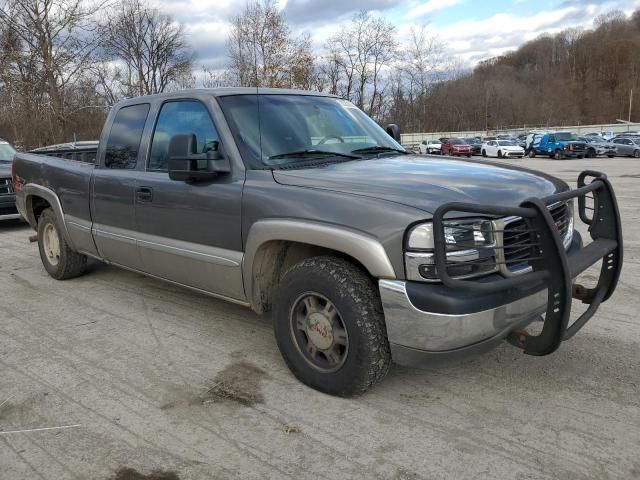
189, 232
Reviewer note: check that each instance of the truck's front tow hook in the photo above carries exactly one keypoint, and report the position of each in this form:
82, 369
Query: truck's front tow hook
582, 293
518, 337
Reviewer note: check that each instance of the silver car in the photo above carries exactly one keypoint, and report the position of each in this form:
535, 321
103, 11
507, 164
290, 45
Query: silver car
627, 146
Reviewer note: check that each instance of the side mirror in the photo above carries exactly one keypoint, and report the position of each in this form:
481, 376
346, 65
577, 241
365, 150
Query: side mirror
185, 164
393, 131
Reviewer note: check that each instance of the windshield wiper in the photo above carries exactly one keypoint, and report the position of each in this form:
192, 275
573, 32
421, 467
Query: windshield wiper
314, 153
379, 149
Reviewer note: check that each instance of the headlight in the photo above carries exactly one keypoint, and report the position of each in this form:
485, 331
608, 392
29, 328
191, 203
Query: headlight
469, 245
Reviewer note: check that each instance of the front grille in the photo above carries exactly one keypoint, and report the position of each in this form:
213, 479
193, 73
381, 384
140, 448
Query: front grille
519, 243
6, 186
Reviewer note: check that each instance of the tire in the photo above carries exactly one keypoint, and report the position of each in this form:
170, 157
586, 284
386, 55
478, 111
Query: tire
57, 258
557, 155
611, 156
636, 154
365, 358
499, 153
468, 155
532, 153
582, 156
591, 153
484, 153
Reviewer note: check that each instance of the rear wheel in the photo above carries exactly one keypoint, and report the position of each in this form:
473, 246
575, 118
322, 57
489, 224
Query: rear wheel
329, 326
591, 153
557, 155
499, 153
57, 258
611, 156
532, 153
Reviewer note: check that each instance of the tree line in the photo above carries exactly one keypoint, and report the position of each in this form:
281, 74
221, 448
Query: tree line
64, 63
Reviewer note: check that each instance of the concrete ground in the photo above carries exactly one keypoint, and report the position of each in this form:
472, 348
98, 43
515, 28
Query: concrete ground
155, 382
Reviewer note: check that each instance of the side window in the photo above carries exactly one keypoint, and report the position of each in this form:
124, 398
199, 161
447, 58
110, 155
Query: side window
181, 117
551, 139
125, 136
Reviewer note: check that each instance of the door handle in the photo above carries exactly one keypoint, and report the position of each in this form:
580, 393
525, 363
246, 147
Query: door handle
144, 194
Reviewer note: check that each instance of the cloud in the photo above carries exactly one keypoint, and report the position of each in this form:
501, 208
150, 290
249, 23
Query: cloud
315, 11
419, 9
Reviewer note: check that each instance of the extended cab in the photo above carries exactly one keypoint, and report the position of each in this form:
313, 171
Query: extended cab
299, 204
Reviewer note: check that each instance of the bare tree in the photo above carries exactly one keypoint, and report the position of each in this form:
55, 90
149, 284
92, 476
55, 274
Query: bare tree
361, 51
150, 47
46, 46
264, 52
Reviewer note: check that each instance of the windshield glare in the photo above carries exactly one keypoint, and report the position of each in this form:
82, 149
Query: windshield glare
266, 126
6, 152
506, 143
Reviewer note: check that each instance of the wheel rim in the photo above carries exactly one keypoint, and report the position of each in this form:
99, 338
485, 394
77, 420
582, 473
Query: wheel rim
318, 332
51, 244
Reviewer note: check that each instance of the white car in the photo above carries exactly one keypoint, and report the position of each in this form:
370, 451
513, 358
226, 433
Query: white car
430, 146
502, 149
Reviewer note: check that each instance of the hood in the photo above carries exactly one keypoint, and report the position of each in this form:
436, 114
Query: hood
511, 147
426, 182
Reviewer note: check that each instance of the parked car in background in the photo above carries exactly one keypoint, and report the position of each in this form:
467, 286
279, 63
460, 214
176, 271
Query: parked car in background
455, 147
627, 146
558, 145
430, 146
502, 149
475, 143
8, 209
598, 146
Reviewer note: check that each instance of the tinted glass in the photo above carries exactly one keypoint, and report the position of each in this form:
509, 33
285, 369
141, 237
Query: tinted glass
184, 117
457, 141
126, 133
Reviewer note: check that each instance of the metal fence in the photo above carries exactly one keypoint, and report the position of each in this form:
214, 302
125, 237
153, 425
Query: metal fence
410, 140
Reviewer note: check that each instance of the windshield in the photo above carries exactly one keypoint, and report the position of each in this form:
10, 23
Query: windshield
565, 136
457, 141
506, 143
6, 152
274, 130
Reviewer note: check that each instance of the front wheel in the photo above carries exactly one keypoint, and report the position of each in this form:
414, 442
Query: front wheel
557, 155
636, 154
484, 153
57, 257
611, 156
329, 326
499, 153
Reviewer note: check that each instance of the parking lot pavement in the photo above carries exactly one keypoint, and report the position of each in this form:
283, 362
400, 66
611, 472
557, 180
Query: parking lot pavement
147, 376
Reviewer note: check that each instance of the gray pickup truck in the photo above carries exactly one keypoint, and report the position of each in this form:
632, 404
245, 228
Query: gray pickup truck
298, 204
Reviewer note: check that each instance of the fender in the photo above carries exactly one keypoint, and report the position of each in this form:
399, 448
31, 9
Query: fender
31, 190
364, 248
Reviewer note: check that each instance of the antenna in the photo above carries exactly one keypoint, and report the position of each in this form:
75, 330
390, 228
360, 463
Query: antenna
257, 79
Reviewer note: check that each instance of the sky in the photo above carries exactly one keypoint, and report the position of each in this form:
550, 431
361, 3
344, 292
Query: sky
471, 30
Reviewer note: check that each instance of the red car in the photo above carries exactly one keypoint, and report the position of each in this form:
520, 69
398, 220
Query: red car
456, 147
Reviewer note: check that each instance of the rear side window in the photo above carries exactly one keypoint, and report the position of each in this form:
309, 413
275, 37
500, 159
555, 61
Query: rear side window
181, 117
125, 136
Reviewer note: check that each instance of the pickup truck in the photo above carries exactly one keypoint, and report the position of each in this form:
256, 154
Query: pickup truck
7, 197
298, 204
557, 145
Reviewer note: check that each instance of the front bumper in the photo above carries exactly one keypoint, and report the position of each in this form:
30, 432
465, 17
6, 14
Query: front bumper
466, 316
416, 335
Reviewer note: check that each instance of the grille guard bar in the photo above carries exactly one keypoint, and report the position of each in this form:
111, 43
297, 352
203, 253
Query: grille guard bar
554, 266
